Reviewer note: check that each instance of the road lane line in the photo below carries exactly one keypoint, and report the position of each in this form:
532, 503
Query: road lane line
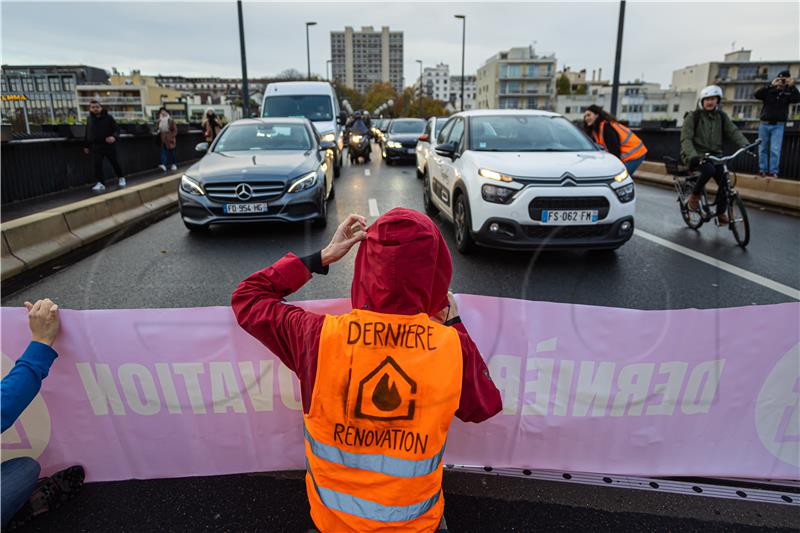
373, 208
722, 265
367, 172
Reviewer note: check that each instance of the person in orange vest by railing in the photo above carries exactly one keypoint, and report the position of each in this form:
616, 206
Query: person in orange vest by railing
614, 137
380, 384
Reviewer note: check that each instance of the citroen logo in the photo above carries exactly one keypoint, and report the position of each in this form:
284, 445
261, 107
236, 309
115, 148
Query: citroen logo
244, 191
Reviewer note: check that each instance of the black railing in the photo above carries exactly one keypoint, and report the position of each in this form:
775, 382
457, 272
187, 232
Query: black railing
661, 142
34, 168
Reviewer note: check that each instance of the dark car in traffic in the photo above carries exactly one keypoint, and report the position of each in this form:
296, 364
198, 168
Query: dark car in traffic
256, 170
400, 141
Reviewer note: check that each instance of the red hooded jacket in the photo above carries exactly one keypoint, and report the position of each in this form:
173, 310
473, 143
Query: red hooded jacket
403, 267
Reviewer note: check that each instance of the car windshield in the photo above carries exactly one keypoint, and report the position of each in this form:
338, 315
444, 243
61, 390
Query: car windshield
526, 133
407, 126
311, 106
258, 137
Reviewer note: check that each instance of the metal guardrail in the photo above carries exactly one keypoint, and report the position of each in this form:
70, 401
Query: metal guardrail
666, 142
34, 168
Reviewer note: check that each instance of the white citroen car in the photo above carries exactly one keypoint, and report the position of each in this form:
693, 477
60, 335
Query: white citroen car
527, 180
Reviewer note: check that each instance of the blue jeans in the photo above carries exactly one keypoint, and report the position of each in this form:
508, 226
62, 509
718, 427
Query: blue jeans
769, 151
167, 156
633, 164
18, 479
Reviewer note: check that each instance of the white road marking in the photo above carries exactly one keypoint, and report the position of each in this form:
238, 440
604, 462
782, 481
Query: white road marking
373, 208
367, 172
722, 265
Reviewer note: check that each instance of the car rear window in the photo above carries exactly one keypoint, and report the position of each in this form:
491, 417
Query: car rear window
407, 126
257, 137
311, 106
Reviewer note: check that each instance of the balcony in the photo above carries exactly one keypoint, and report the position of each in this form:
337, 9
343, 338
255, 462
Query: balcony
108, 100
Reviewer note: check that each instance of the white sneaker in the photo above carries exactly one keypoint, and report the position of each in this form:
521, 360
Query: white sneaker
174, 167
163, 168
122, 182
99, 187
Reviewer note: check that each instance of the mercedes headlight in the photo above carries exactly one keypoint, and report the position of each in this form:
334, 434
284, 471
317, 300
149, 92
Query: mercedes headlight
394, 144
492, 175
329, 137
190, 186
306, 181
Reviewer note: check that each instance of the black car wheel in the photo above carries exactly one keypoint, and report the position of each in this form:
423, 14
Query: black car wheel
322, 220
462, 224
337, 165
427, 202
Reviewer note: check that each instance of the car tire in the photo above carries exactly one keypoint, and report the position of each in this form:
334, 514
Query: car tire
332, 194
337, 166
389, 162
420, 175
462, 224
196, 228
322, 220
427, 201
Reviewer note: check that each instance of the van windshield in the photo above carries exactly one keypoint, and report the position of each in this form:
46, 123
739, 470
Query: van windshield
314, 107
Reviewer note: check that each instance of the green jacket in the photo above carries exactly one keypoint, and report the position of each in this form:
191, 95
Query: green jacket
713, 127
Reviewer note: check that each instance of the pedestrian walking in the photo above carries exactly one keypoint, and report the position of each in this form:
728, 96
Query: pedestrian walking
23, 494
380, 384
211, 125
168, 132
102, 134
777, 96
614, 137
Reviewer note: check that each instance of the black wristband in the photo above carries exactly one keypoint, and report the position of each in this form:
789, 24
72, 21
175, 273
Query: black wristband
313, 263
453, 321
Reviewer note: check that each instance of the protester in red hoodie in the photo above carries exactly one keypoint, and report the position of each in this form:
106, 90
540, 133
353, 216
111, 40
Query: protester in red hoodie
381, 384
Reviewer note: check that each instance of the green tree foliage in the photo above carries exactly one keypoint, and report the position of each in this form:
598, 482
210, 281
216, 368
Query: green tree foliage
563, 85
581, 89
380, 93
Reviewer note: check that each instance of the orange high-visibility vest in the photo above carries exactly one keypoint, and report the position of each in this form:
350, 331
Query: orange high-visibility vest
386, 390
631, 146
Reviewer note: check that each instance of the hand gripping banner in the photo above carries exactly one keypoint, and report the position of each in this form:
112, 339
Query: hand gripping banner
152, 393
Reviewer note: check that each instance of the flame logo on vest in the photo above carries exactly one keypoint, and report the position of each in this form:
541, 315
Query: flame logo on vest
386, 393
30, 434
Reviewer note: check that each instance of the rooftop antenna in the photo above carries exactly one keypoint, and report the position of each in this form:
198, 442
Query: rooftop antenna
733, 45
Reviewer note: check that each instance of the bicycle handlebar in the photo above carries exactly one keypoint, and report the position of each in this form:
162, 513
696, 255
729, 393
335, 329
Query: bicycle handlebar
734, 155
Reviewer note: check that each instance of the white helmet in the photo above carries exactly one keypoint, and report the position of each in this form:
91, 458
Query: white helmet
709, 92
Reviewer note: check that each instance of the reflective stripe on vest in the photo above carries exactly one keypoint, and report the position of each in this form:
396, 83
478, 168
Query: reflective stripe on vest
374, 462
347, 503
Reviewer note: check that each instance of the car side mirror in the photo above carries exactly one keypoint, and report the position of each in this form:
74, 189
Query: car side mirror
446, 150
201, 147
424, 138
342, 118
326, 145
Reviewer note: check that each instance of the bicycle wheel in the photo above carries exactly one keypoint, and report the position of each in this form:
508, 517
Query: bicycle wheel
693, 219
740, 225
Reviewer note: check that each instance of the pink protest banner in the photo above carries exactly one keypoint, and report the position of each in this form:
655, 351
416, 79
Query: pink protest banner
179, 392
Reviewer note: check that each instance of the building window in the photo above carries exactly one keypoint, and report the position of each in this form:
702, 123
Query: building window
567, 110
676, 108
747, 72
744, 92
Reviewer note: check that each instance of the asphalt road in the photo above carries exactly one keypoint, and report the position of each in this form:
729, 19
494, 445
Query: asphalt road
166, 266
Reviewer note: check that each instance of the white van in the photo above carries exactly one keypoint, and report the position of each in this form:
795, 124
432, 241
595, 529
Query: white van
314, 100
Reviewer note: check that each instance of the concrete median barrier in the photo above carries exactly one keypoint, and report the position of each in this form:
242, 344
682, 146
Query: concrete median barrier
31, 241
774, 192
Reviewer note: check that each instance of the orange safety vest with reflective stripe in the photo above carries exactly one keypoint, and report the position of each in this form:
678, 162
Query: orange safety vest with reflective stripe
386, 389
631, 146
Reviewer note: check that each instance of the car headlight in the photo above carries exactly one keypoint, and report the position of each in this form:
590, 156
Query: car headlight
394, 144
306, 181
625, 193
492, 175
190, 186
622, 176
329, 137
497, 195
355, 138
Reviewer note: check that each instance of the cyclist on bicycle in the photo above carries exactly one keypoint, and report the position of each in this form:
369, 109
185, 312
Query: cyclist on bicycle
704, 131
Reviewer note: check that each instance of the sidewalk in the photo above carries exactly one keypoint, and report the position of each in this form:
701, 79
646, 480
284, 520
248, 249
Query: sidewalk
51, 201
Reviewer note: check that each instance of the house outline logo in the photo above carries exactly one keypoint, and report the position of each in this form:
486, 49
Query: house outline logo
386, 393
30, 433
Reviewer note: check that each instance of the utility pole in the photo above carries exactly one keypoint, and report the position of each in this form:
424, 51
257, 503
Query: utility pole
463, 43
617, 57
245, 90
308, 49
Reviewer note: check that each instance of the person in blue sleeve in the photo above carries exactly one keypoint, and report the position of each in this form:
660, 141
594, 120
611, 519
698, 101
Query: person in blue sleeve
23, 494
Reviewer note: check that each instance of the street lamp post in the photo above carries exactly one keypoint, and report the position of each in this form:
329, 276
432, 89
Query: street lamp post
245, 89
617, 57
308, 49
420, 78
463, 43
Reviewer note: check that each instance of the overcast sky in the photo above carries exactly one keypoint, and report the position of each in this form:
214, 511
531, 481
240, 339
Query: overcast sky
201, 38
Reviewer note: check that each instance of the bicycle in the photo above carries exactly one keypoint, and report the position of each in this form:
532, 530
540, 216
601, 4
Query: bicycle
685, 181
